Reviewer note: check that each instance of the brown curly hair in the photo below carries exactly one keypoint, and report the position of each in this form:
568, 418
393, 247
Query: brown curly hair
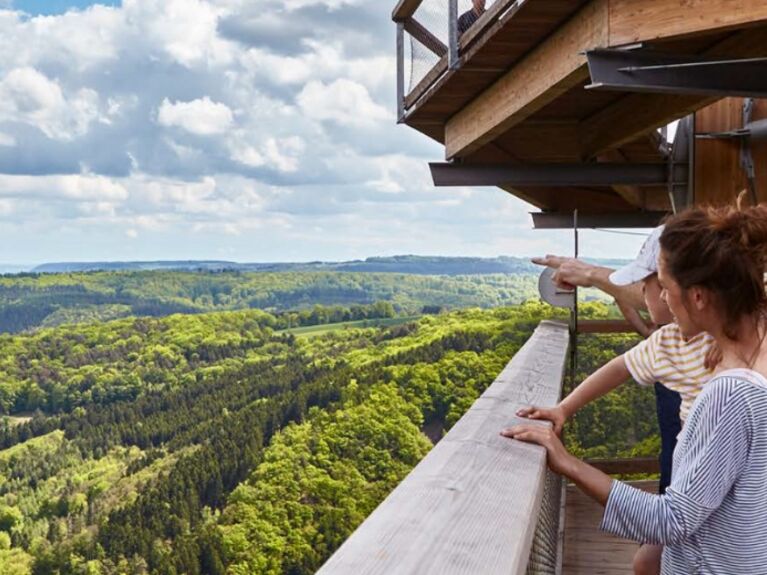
724, 250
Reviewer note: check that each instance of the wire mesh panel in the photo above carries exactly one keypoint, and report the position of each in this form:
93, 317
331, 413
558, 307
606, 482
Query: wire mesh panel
428, 34
545, 554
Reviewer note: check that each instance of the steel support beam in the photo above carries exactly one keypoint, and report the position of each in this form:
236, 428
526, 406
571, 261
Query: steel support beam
564, 220
566, 175
646, 71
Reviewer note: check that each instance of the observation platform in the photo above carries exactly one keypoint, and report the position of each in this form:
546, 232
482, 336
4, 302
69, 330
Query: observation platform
481, 503
565, 103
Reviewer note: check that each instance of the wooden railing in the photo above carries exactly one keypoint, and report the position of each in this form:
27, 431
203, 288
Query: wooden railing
473, 505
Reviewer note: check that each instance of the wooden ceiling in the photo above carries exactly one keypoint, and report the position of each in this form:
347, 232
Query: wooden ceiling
519, 95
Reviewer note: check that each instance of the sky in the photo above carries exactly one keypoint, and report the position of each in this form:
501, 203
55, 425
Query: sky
242, 130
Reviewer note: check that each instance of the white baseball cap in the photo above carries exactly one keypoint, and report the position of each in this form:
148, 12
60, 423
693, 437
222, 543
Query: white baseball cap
645, 264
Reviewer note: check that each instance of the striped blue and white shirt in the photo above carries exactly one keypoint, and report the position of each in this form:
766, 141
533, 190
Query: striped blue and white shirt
713, 517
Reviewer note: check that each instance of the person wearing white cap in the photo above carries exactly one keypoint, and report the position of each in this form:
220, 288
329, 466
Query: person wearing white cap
677, 366
623, 284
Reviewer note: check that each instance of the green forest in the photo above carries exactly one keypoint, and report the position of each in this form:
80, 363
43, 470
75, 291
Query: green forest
248, 441
33, 301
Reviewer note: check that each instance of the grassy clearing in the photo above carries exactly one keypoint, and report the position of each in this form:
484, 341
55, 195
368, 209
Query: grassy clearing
314, 330
18, 419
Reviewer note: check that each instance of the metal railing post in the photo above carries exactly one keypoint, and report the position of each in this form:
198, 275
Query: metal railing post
452, 54
400, 71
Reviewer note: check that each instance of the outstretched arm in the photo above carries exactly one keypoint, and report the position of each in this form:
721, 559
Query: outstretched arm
574, 272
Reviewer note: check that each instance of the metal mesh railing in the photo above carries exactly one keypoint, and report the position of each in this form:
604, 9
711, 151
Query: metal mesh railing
545, 554
428, 36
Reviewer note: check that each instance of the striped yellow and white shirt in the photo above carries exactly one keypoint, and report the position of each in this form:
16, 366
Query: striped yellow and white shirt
667, 357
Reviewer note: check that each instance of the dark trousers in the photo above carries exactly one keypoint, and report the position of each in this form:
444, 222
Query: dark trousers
667, 404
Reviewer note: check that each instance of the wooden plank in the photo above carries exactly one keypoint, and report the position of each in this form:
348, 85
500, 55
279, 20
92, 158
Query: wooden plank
472, 504
719, 176
405, 9
646, 20
589, 551
627, 465
550, 70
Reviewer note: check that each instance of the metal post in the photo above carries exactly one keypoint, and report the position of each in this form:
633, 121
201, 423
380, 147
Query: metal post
452, 27
400, 71
691, 161
574, 313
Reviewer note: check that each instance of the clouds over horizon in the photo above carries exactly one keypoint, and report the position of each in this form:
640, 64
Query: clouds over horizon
219, 128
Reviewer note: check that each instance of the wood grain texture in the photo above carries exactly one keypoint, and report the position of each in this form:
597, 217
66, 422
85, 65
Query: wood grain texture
645, 20
719, 176
589, 551
472, 503
405, 9
547, 72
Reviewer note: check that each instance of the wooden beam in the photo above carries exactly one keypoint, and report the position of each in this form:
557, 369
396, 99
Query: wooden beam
558, 65
405, 9
637, 114
550, 70
472, 504
625, 466
420, 33
634, 21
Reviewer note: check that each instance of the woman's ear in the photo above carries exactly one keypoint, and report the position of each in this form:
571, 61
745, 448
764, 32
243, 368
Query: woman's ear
699, 298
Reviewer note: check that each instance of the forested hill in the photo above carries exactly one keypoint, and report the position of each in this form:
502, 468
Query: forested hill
220, 443
425, 265
31, 301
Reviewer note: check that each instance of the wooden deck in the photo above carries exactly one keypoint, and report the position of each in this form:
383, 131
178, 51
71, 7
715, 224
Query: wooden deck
589, 551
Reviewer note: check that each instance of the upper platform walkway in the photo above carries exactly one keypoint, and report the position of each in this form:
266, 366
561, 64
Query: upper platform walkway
574, 82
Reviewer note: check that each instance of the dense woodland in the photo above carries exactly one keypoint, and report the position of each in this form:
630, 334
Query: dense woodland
33, 301
236, 442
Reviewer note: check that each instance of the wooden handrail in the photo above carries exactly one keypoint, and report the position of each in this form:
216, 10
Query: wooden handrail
626, 465
472, 504
405, 9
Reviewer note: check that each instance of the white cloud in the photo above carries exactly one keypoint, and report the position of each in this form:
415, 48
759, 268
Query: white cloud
343, 101
185, 30
30, 97
202, 117
79, 187
280, 154
154, 124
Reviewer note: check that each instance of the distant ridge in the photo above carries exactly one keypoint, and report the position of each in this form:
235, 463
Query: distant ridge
408, 264
404, 264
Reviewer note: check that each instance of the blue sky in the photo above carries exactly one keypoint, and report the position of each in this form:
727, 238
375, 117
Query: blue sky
52, 6
227, 129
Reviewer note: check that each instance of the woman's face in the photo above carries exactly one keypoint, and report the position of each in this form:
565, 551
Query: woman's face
674, 296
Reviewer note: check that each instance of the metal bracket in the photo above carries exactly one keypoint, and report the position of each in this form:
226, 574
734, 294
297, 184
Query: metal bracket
657, 72
752, 131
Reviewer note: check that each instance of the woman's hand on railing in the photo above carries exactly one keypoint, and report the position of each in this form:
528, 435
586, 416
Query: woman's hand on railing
558, 458
556, 415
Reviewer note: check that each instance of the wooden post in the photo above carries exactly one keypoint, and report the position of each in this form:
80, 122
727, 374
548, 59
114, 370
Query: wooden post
471, 505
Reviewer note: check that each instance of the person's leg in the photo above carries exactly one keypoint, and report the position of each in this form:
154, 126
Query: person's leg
647, 560
667, 404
